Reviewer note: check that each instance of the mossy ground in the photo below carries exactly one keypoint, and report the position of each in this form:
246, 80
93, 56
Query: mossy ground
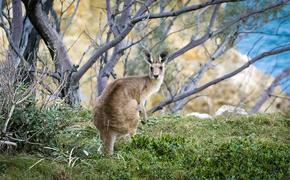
168, 147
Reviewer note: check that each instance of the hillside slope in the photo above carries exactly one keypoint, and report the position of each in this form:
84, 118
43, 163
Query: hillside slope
168, 147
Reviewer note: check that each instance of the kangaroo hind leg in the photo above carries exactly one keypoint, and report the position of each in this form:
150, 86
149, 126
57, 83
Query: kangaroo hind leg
108, 139
133, 117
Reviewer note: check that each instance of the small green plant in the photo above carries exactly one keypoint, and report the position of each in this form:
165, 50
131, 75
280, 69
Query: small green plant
167, 145
34, 129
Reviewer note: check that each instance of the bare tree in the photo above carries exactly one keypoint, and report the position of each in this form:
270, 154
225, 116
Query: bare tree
120, 28
122, 18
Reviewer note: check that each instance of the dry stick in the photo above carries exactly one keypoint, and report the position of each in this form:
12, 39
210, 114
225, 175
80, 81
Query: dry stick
280, 97
35, 164
75, 41
8, 119
8, 143
55, 93
93, 43
182, 11
227, 76
25, 140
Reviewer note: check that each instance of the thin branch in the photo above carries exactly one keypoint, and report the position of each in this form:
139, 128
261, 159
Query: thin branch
75, 41
265, 33
181, 11
8, 143
199, 41
8, 119
266, 94
68, 7
139, 40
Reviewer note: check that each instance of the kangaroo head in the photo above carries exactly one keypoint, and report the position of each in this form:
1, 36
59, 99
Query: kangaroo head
156, 66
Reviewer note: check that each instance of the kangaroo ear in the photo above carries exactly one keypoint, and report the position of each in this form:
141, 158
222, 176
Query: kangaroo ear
163, 56
148, 57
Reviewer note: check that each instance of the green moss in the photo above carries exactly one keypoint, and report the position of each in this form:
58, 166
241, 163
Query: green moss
168, 147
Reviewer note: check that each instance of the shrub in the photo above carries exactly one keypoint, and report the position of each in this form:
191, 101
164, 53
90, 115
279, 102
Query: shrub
243, 159
35, 128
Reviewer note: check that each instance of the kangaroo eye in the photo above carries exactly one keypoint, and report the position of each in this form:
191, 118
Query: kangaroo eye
151, 68
161, 68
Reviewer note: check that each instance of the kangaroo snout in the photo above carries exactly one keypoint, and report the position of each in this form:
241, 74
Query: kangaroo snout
155, 76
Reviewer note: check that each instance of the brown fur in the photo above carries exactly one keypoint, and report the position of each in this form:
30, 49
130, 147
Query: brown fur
117, 109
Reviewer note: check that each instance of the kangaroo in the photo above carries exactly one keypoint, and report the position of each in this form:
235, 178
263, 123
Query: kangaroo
116, 112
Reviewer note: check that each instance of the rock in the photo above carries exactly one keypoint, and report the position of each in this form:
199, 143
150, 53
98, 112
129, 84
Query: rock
230, 110
200, 115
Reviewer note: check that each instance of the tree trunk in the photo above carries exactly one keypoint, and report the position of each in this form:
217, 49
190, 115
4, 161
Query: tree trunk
17, 27
116, 26
29, 47
63, 65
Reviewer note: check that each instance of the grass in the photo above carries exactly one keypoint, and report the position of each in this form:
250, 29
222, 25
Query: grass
168, 147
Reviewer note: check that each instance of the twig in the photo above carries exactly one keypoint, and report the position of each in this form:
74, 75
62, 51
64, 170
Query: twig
8, 119
39, 161
8, 143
